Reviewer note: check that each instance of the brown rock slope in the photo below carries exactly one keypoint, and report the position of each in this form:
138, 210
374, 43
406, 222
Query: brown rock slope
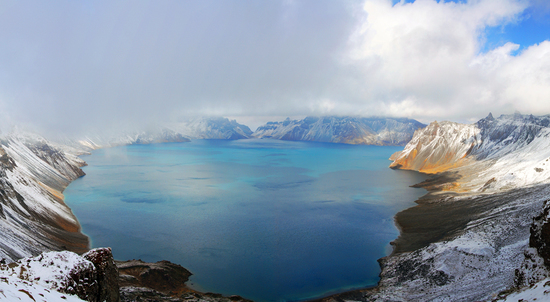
438, 147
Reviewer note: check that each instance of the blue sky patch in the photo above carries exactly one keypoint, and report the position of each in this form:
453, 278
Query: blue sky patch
532, 28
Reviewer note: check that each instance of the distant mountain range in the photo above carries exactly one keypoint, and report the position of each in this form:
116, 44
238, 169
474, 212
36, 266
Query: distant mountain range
184, 131
347, 130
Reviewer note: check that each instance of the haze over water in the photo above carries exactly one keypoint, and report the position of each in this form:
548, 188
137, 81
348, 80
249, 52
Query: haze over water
265, 219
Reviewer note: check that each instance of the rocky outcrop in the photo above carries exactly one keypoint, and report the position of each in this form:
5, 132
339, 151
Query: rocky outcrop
63, 272
107, 274
540, 234
347, 130
162, 276
96, 277
161, 281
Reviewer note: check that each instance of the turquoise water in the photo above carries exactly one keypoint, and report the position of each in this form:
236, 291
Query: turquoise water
265, 219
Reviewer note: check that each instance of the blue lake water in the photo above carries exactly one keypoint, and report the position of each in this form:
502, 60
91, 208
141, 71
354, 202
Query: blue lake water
265, 219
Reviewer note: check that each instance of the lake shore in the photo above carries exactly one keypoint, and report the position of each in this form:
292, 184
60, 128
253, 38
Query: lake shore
461, 246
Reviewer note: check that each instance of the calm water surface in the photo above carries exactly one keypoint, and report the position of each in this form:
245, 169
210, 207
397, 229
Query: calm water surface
265, 219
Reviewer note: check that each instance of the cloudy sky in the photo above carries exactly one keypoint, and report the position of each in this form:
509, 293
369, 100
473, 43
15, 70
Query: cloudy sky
75, 65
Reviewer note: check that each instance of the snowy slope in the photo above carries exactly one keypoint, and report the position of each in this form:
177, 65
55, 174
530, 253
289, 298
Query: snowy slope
33, 217
482, 261
348, 130
538, 292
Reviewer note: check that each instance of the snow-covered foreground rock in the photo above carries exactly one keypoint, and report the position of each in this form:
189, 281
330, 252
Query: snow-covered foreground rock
347, 130
61, 276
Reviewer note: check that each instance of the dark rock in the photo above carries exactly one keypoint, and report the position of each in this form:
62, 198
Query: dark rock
161, 281
83, 283
162, 276
540, 234
107, 274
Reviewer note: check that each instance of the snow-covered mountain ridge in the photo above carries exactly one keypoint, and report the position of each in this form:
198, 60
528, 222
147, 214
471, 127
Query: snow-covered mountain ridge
347, 130
490, 155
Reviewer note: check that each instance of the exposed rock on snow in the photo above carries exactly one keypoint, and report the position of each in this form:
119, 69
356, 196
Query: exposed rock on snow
107, 274
58, 276
348, 130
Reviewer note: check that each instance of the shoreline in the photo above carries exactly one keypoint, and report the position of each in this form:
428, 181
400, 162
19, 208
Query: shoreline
399, 245
414, 267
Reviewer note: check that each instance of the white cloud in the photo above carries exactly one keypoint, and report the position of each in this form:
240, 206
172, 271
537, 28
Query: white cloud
423, 60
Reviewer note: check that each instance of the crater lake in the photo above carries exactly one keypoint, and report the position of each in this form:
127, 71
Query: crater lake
268, 220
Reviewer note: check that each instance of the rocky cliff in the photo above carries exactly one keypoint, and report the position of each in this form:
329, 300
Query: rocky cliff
347, 130
61, 276
438, 147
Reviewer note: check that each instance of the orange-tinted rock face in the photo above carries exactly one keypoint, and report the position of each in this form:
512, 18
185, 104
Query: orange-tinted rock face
438, 147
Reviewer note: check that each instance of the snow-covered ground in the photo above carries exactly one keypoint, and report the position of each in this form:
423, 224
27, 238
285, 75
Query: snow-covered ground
540, 291
34, 218
47, 277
